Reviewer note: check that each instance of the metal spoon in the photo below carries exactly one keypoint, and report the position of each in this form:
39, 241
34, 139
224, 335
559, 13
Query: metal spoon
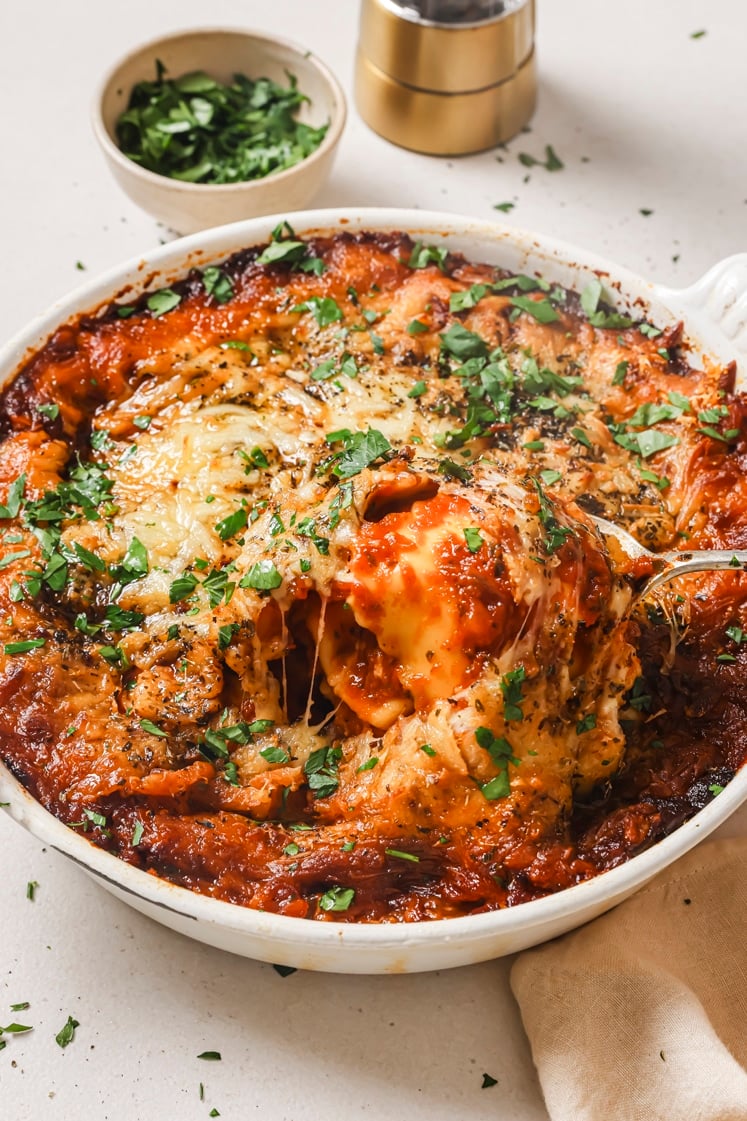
675, 563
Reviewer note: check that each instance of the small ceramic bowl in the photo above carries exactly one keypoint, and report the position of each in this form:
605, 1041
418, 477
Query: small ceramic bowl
221, 52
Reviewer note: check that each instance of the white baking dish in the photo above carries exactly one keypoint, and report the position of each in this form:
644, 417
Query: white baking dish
715, 314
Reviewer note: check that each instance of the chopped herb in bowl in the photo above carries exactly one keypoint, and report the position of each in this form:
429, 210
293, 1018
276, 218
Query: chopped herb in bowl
199, 130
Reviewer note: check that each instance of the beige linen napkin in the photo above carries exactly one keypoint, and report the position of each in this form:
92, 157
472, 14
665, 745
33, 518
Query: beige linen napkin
642, 1014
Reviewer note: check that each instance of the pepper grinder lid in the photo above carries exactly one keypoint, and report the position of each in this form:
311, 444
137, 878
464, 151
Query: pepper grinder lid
446, 77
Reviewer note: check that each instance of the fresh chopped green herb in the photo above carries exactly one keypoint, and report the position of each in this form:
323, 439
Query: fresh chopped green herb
423, 255
324, 370
649, 331
11, 558
648, 442
488, 1081
582, 437
142, 422
550, 477
163, 301
153, 729
262, 576
502, 754
14, 499
22, 1007
454, 470
24, 647
555, 533
504, 207
321, 770
620, 371
551, 162
426, 747
226, 634
645, 212
51, 412
337, 899
274, 755
324, 309
137, 834
417, 327
474, 539
715, 788
31, 887
697, 34
418, 389
368, 765
217, 284
399, 854
725, 658
66, 1034
361, 450
541, 310
535, 446
736, 634
586, 723
210, 1056
229, 526
513, 695
182, 587
463, 344
199, 130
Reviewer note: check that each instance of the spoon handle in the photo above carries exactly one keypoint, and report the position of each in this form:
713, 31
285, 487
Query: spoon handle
705, 560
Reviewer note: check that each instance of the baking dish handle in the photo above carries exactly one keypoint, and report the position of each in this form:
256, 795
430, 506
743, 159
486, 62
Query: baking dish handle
718, 301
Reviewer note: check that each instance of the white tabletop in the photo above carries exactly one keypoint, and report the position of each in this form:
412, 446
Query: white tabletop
644, 117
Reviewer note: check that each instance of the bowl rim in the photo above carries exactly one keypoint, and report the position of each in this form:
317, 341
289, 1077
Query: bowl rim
584, 899
337, 114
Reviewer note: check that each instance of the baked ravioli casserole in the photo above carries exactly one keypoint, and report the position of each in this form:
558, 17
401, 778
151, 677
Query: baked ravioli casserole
302, 606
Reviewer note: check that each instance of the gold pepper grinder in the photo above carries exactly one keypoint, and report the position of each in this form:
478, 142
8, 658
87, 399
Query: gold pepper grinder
446, 77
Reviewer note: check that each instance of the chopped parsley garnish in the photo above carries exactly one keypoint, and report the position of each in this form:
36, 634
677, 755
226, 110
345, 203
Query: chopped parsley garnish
399, 854
555, 533
360, 450
232, 524
153, 729
423, 255
368, 765
620, 371
551, 162
504, 207
586, 723
461, 343
324, 309
513, 695
488, 1081
285, 970
474, 539
321, 769
502, 754
417, 327
226, 634
25, 646
182, 587
262, 576
31, 887
428, 750
418, 389
646, 443
14, 499
66, 1034
274, 755
217, 284
137, 834
454, 470
285, 248
162, 301
210, 1056
541, 310
337, 899
197, 129
51, 412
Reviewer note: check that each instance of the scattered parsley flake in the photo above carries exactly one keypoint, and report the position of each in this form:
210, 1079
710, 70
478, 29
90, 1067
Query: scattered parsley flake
67, 1033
